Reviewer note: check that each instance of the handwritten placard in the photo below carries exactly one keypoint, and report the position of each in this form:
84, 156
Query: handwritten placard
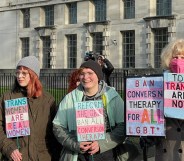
90, 120
174, 95
17, 120
144, 106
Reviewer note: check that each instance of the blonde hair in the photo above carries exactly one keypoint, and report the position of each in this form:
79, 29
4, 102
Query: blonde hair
173, 49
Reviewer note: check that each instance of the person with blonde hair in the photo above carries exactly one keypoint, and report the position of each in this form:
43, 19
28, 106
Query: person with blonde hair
171, 147
39, 143
173, 51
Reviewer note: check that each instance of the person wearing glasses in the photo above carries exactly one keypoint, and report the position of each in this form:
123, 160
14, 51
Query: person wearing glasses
39, 143
91, 88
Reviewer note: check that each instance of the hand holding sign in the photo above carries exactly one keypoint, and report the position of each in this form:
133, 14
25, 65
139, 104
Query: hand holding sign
16, 155
84, 146
94, 148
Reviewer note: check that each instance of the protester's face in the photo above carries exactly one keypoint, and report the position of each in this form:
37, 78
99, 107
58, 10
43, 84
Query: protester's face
179, 56
23, 77
88, 79
100, 60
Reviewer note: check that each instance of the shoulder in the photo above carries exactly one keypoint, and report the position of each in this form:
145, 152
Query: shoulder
111, 93
48, 96
11, 95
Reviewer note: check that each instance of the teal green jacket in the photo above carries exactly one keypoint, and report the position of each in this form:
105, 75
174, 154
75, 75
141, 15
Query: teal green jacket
65, 122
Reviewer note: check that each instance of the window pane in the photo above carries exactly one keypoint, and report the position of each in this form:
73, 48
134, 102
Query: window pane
72, 7
129, 9
97, 42
100, 10
49, 15
25, 46
161, 39
164, 7
46, 52
72, 50
26, 18
128, 49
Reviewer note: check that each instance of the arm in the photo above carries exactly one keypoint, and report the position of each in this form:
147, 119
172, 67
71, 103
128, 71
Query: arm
54, 146
60, 125
113, 138
117, 134
67, 139
108, 69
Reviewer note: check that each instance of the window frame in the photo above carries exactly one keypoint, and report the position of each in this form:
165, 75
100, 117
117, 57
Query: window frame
163, 7
72, 50
26, 17
100, 10
128, 45
129, 9
72, 13
46, 41
159, 44
49, 15
25, 46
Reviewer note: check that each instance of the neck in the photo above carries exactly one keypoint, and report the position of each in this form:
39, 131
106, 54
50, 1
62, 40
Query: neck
91, 92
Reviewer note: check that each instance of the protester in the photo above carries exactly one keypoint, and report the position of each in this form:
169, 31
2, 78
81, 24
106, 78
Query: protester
91, 87
40, 144
74, 80
107, 68
171, 147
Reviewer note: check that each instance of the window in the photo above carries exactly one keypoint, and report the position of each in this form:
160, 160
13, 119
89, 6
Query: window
129, 9
25, 46
160, 40
97, 42
163, 7
46, 52
26, 18
72, 11
128, 49
72, 50
49, 15
100, 10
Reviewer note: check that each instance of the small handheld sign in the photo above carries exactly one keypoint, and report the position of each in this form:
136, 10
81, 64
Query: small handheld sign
90, 120
17, 119
174, 95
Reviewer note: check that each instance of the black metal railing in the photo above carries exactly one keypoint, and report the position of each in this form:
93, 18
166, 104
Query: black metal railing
56, 81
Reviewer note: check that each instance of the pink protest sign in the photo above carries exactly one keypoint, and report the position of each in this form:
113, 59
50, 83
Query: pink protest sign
90, 120
144, 106
173, 95
17, 120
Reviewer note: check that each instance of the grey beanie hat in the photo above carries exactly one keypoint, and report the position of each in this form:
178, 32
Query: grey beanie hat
30, 62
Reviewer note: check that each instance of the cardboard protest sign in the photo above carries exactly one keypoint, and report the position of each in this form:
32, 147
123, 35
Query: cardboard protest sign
90, 120
144, 106
17, 119
174, 95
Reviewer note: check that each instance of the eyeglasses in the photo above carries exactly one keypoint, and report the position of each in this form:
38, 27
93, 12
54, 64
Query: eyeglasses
24, 74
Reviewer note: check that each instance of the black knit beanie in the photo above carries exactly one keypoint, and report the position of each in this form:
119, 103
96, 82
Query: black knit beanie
93, 65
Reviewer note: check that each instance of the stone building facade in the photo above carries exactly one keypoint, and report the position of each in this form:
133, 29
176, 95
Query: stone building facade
130, 33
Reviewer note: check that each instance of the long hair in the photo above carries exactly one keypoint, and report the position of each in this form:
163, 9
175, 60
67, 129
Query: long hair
34, 87
73, 79
173, 49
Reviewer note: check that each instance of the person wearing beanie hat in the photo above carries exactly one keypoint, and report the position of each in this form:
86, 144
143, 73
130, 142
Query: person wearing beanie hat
30, 62
93, 65
91, 88
32, 118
